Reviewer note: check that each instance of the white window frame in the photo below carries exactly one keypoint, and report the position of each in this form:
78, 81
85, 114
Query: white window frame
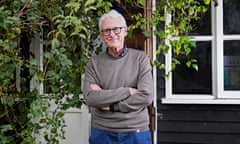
36, 48
219, 95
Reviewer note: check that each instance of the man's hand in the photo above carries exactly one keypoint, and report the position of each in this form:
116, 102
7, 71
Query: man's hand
95, 87
105, 108
133, 91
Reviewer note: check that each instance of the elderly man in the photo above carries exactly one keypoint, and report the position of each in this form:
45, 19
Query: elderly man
118, 84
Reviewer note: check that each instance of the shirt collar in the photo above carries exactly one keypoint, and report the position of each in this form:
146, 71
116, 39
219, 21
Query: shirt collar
123, 53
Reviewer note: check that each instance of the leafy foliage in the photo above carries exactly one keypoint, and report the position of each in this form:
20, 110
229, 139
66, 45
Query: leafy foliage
69, 27
174, 21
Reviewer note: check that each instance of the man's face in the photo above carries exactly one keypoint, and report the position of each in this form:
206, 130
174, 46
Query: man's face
113, 33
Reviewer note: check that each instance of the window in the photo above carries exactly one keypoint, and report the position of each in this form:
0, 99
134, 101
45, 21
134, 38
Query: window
231, 65
188, 80
217, 81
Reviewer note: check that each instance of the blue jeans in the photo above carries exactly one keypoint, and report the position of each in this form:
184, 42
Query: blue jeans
105, 137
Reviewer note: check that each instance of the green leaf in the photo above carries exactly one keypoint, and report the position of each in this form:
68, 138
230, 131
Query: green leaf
195, 66
188, 63
141, 2
147, 34
89, 2
5, 128
207, 2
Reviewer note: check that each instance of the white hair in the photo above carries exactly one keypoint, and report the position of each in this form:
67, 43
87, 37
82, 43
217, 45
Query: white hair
111, 15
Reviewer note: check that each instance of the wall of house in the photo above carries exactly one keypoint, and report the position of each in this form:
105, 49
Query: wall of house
198, 124
78, 126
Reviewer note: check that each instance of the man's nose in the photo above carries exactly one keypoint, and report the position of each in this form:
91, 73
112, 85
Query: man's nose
112, 33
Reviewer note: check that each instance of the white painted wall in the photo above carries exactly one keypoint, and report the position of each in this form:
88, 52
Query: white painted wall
78, 126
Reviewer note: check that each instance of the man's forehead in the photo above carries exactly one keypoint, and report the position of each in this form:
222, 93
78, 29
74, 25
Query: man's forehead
111, 22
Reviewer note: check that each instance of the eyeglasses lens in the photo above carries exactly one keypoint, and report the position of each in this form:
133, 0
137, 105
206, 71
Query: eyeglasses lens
116, 30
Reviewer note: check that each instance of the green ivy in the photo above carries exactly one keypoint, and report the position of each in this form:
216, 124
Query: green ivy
175, 32
70, 26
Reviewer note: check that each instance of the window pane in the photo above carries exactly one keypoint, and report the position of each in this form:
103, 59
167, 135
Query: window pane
189, 81
231, 65
231, 15
202, 26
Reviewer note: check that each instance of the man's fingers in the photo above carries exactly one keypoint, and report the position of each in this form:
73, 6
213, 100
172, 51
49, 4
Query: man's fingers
95, 87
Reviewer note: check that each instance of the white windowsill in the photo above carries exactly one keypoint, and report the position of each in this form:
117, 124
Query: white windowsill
200, 101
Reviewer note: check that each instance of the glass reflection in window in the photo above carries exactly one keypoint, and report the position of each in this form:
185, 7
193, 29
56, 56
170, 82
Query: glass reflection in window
231, 15
232, 65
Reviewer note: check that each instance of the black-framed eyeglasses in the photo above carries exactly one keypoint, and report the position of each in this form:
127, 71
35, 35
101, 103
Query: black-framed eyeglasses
116, 30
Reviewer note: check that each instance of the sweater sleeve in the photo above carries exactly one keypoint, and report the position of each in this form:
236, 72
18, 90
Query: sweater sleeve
104, 97
144, 96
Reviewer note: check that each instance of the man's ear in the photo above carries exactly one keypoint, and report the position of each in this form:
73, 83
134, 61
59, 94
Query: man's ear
126, 31
101, 36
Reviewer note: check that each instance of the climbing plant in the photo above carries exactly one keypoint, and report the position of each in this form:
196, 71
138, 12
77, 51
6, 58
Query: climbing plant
66, 29
173, 21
